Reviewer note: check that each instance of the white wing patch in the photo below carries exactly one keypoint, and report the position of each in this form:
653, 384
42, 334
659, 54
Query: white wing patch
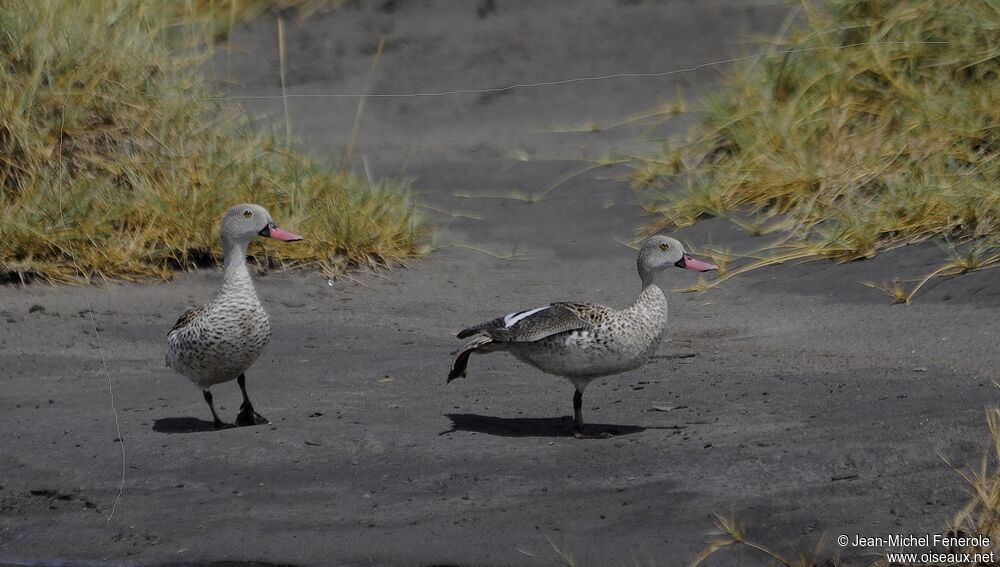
512, 319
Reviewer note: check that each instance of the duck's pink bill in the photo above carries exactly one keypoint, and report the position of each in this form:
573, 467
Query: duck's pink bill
696, 265
281, 234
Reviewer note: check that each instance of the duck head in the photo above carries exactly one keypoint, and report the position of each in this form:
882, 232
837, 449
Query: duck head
245, 222
659, 252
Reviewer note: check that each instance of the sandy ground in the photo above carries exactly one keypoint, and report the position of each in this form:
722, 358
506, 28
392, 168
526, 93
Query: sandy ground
794, 397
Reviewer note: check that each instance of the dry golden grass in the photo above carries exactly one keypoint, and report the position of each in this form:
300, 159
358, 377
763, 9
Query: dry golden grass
116, 162
881, 129
731, 534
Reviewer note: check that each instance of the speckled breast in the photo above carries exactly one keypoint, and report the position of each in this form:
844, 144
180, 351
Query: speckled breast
220, 345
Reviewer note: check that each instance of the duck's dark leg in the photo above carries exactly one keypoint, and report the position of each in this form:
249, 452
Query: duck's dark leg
247, 415
215, 417
578, 412
578, 420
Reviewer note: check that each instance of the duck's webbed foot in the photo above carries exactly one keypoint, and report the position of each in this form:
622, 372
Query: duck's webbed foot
248, 416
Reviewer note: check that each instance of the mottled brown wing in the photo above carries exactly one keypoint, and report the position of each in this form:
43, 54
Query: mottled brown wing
591, 313
187, 317
530, 325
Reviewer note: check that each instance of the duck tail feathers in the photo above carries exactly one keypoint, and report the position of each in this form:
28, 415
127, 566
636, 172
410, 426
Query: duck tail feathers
466, 333
462, 359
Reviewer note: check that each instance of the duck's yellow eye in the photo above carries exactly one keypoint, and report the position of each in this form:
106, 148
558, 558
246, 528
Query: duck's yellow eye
248, 213
664, 246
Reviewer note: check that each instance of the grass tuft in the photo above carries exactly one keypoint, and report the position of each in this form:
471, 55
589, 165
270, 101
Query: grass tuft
116, 162
894, 289
876, 124
730, 533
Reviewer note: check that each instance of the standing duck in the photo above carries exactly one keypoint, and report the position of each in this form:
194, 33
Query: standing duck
219, 341
583, 341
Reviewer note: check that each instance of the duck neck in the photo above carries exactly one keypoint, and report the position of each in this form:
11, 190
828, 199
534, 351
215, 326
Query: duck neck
237, 275
651, 308
646, 276
651, 293
651, 296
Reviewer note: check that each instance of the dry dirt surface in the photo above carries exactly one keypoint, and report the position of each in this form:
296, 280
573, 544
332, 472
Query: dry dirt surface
793, 396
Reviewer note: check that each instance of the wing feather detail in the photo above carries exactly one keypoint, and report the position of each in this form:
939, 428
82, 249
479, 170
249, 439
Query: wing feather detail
534, 324
186, 318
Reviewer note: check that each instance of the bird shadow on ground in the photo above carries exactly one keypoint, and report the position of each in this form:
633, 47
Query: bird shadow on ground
530, 426
183, 425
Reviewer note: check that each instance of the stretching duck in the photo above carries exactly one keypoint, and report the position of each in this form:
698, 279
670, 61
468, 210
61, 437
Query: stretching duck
583, 341
219, 341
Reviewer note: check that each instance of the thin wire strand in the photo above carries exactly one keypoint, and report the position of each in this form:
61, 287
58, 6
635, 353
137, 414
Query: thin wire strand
567, 81
111, 392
